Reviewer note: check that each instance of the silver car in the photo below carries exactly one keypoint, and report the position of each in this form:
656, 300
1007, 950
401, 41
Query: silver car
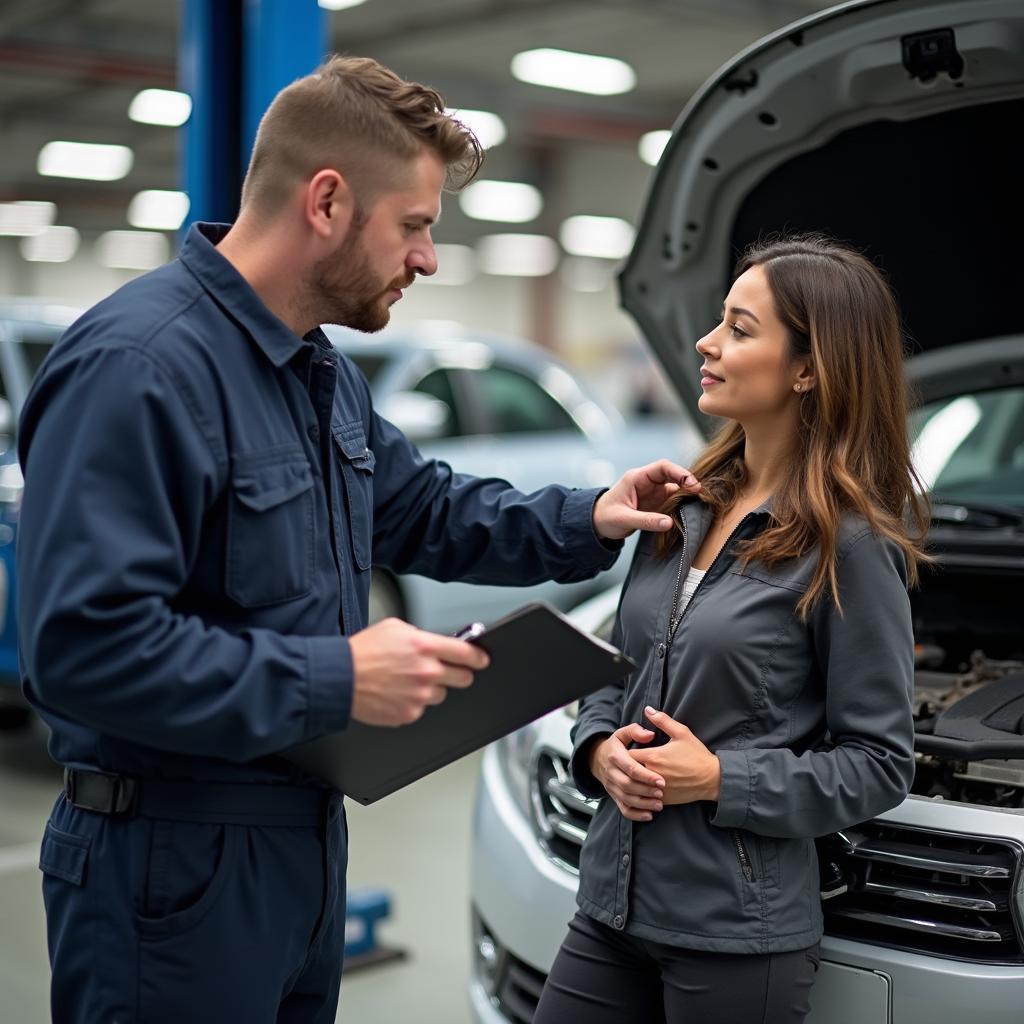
869, 121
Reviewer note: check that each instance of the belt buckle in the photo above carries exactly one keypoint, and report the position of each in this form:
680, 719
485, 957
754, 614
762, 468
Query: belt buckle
121, 796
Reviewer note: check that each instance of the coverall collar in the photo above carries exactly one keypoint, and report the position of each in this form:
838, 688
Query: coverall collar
231, 291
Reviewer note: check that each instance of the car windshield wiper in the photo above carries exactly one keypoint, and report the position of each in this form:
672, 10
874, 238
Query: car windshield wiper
957, 512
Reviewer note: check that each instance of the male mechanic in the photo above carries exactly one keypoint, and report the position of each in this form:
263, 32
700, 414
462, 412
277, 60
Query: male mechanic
207, 487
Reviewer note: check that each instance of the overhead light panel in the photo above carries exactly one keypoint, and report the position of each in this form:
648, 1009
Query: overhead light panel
87, 160
339, 5
158, 210
580, 72
456, 265
132, 250
26, 217
605, 237
517, 255
487, 127
161, 106
652, 145
54, 244
511, 201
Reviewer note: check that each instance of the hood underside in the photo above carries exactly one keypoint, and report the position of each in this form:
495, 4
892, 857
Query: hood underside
884, 123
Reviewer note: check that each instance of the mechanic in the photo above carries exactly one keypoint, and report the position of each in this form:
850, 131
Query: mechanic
207, 488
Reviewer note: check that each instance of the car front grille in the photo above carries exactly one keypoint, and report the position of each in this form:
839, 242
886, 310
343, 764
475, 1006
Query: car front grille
931, 892
519, 990
915, 889
561, 812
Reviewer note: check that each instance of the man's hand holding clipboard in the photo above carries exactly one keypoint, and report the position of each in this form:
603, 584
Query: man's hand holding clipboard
538, 661
400, 671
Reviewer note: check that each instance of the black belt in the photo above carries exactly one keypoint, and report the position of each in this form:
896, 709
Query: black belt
227, 803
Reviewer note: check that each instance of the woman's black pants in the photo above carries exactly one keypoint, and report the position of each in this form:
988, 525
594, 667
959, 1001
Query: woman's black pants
602, 976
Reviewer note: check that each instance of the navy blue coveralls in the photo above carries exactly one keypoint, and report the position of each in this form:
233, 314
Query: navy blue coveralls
205, 494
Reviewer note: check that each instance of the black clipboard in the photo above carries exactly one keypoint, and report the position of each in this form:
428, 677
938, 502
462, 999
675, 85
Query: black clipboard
539, 661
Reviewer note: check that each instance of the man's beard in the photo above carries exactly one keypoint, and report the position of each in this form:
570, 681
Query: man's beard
344, 289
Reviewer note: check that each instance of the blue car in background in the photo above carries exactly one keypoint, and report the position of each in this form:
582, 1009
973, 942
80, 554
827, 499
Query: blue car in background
486, 404
28, 329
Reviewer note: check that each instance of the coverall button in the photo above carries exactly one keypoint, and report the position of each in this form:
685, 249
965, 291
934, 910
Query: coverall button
617, 921
625, 859
661, 650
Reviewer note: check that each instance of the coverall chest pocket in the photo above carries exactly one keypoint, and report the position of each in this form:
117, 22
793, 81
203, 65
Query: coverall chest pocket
270, 528
357, 464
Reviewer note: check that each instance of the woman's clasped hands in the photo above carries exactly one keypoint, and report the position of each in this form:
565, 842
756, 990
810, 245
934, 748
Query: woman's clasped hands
643, 779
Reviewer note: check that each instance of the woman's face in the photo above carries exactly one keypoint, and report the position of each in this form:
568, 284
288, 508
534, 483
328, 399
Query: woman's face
747, 374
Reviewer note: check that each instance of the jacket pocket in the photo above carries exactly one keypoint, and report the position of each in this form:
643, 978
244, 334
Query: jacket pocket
64, 855
787, 578
270, 528
357, 464
746, 862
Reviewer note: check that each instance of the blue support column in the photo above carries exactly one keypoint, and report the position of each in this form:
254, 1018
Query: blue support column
234, 57
284, 40
210, 71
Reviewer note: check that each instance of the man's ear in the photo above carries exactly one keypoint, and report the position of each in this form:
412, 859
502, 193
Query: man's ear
328, 205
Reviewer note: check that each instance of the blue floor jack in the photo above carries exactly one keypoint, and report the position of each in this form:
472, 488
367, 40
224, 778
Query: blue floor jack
365, 909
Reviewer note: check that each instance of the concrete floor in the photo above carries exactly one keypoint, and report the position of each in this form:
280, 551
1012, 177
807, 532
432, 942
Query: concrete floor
414, 843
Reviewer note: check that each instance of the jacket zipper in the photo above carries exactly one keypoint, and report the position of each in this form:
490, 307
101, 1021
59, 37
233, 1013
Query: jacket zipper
746, 864
673, 621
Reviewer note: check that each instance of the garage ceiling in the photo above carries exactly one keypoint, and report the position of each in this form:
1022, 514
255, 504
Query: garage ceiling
69, 68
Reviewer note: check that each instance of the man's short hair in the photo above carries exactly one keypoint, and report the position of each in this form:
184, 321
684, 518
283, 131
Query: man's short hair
358, 117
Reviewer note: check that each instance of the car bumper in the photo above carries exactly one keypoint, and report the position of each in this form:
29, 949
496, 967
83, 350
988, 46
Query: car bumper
524, 902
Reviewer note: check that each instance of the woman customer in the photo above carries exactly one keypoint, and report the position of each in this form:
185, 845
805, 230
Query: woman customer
772, 631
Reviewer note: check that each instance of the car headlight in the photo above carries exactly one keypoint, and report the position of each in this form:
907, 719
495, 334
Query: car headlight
515, 757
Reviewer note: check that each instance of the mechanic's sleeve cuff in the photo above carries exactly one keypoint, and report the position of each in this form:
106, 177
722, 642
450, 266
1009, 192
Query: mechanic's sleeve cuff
737, 789
578, 527
331, 680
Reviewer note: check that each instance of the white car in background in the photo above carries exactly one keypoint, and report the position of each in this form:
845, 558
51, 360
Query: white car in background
490, 405
878, 122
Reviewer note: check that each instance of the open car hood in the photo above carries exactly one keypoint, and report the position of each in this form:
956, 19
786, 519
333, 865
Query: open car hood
886, 123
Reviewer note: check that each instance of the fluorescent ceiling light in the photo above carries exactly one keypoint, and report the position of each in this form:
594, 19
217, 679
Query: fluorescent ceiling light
26, 217
55, 244
132, 250
487, 127
518, 255
456, 265
161, 106
158, 210
339, 5
510, 201
84, 160
652, 145
580, 72
586, 274
604, 237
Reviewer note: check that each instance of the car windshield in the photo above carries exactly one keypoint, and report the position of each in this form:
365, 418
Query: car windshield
970, 447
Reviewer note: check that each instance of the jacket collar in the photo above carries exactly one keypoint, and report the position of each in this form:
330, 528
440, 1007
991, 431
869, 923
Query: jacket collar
696, 516
236, 296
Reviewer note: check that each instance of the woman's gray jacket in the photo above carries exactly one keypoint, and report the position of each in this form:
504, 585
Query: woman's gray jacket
811, 722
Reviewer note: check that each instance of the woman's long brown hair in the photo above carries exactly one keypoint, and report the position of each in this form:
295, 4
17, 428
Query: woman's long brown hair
853, 452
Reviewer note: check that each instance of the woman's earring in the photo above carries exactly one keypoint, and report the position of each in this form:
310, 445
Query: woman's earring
796, 387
